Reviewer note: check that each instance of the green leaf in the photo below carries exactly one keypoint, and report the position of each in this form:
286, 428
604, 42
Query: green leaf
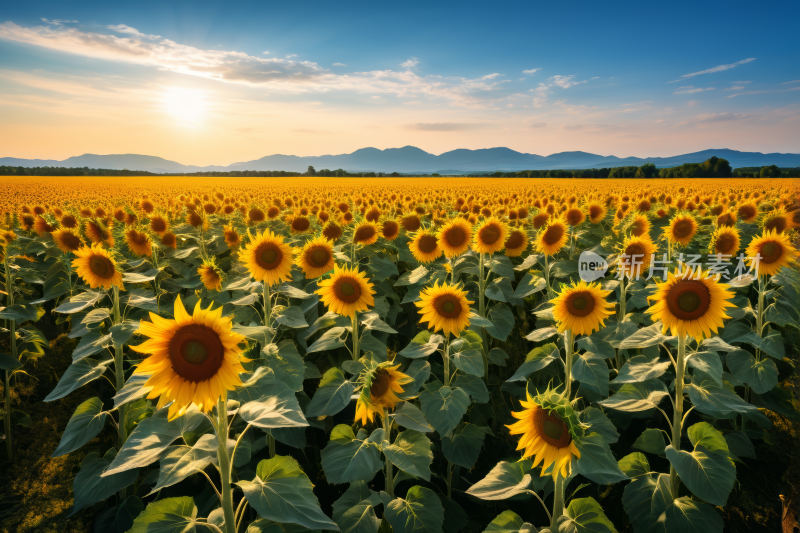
501, 265
690, 516
372, 322
502, 320
649, 336
121, 333
592, 371
772, 344
584, 515
596, 461
498, 356
444, 407
635, 397
86, 422
422, 345
464, 445
504, 481
330, 340
151, 437
420, 512
170, 515
531, 282
599, 423
20, 313
292, 317
347, 458
711, 399
537, 359
411, 453
708, 363
8, 363
90, 344
469, 361
645, 500
123, 516
382, 268
474, 386
709, 475
56, 283
740, 444
412, 278
762, 376
287, 363
641, 368
651, 441
596, 346
91, 486
282, 492
634, 465
508, 522
133, 389
332, 396
705, 435
278, 408
354, 512
409, 417
80, 302
180, 462
77, 375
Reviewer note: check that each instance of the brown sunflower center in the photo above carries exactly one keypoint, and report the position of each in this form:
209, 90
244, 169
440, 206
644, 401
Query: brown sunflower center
580, 303
427, 244
771, 252
390, 229
319, 257
725, 243
489, 234
595, 211
635, 250
158, 225
455, 236
101, 267
70, 240
380, 383
688, 299
364, 233
196, 352
268, 256
553, 234
348, 290
551, 428
515, 240
638, 228
300, 224
682, 229
448, 306
778, 224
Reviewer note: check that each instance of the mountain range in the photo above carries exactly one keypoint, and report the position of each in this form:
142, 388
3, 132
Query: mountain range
410, 159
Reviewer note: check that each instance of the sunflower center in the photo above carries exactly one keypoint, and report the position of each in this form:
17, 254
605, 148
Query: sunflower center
514, 241
682, 229
268, 256
380, 383
390, 229
427, 244
490, 234
771, 252
71, 241
319, 257
196, 352
551, 428
725, 243
635, 251
448, 307
638, 228
348, 290
689, 299
364, 233
455, 236
778, 224
580, 304
553, 234
595, 211
101, 267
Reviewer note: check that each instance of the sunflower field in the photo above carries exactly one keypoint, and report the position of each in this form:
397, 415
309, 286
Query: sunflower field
407, 355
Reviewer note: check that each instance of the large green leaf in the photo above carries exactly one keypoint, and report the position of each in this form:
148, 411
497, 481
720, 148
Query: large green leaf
635, 397
8, 363
641, 368
592, 371
292, 317
504, 481
77, 375
20, 313
508, 522
705, 435
474, 386
772, 344
411, 453
422, 345
278, 408
714, 400
346, 458
502, 319
532, 282
708, 363
420, 512
354, 512
596, 461
649, 336
651, 441
90, 344
180, 462
537, 359
151, 437
80, 302
762, 376
282, 492
86, 422
645, 499
409, 417
464, 445
287, 363
599, 423
330, 340
634, 465
332, 396
444, 407
469, 361
685, 515
170, 515
709, 475
91, 485
584, 515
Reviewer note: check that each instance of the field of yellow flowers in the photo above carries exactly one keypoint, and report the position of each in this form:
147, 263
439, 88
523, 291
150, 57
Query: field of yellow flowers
412, 355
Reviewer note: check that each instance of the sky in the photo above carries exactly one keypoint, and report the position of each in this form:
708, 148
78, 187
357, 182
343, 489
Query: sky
220, 82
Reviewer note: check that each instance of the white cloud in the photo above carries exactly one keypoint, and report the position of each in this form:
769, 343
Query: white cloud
339, 65
691, 89
765, 91
784, 83
531, 71
265, 52
411, 63
637, 103
124, 28
563, 82
58, 22
734, 88
718, 68
291, 56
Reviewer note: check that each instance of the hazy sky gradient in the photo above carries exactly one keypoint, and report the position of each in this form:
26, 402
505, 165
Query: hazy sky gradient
205, 84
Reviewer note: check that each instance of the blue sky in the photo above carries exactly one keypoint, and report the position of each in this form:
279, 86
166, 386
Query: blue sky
211, 83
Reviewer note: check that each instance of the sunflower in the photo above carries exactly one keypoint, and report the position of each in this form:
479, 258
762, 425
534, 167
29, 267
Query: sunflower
724, 241
444, 307
454, 237
636, 256
517, 242
332, 231
316, 257
574, 216
67, 239
381, 387
159, 225
347, 291
597, 213
777, 220
299, 224
194, 359
366, 233
747, 212
690, 303
681, 229
640, 226
97, 268
390, 230
169, 239
267, 258
770, 252
552, 238
138, 242
232, 238
211, 275
582, 308
490, 237
548, 428
425, 246
98, 232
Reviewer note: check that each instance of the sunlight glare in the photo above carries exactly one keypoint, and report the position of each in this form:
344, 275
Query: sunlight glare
187, 105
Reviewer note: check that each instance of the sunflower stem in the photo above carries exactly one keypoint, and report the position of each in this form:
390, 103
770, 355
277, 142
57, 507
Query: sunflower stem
482, 312
267, 304
12, 328
568, 366
225, 464
547, 276
677, 417
356, 339
387, 430
446, 361
119, 372
558, 503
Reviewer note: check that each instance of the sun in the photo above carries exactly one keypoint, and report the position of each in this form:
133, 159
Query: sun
187, 105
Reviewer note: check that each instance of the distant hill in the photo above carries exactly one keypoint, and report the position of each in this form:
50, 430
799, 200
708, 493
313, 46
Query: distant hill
410, 159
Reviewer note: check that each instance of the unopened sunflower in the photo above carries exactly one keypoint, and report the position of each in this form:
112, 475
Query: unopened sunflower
379, 394
490, 236
346, 292
454, 237
316, 257
267, 258
444, 308
582, 308
194, 359
771, 252
97, 268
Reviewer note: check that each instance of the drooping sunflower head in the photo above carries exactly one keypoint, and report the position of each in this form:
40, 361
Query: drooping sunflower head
724, 241
582, 308
640, 225
454, 237
138, 242
67, 239
332, 231
232, 237
771, 252
636, 256
424, 246
517, 242
97, 268
211, 275
347, 291
267, 258
681, 229
316, 257
366, 233
552, 237
444, 308
159, 224
490, 236
169, 239
98, 232
690, 303
194, 359
380, 390
548, 427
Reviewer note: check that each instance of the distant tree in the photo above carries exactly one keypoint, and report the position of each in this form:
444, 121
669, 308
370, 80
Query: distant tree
771, 171
648, 170
395, 174
311, 171
435, 175
723, 169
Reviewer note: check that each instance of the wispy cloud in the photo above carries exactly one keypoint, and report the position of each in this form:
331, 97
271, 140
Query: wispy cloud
692, 103
764, 91
637, 103
339, 65
563, 82
786, 82
124, 28
691, 89
410, 63
444, 126
734, 88
265, 52
718, 68
531, 71
58, 22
